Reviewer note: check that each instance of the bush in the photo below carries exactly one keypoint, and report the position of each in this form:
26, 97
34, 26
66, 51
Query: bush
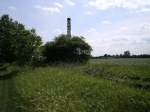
67, 49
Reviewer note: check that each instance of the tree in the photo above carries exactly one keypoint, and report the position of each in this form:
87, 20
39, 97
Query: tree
16, 43
68, 49
126, 54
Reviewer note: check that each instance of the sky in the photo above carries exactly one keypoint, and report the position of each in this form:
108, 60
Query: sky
109, 26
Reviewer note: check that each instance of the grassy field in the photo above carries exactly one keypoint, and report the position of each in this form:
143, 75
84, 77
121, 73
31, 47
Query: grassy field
104, 85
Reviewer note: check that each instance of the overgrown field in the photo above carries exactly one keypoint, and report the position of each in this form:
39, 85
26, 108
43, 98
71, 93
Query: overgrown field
104, 85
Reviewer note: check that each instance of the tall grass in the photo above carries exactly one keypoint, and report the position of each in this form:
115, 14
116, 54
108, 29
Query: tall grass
83, 88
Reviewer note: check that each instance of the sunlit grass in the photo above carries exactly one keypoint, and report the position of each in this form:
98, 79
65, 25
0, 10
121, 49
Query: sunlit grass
78, 88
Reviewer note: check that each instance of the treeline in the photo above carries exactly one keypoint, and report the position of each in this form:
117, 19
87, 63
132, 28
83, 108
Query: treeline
23, 46
126, 54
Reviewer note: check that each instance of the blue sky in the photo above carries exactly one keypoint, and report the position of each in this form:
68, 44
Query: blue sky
109, 26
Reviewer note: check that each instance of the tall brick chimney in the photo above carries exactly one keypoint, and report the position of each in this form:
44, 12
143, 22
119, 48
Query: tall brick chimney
69, 27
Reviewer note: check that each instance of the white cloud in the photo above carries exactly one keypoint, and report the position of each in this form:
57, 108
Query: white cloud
92, 30
58, 5
127, 35
105, 22
71, 3
88, 13
142, 10
127, 4
57, 31
12, 8
49, 9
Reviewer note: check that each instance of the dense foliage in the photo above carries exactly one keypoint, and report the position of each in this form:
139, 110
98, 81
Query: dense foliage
68, 49
17, 44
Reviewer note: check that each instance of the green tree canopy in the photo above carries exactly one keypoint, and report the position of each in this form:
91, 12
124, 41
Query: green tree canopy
17, 44
68, 49
126, 54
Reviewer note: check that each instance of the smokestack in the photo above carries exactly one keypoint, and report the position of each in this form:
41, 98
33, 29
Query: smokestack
69, 27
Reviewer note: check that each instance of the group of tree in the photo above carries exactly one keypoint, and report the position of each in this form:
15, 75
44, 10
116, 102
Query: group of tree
17, 44
126, 54
68, 49
22, 46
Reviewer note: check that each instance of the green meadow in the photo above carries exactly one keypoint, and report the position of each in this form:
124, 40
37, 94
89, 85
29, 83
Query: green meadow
101, 85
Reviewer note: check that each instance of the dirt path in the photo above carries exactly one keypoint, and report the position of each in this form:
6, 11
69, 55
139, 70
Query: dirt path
4, 98
7, 94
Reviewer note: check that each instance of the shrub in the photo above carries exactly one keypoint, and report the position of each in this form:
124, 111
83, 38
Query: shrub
67, 49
